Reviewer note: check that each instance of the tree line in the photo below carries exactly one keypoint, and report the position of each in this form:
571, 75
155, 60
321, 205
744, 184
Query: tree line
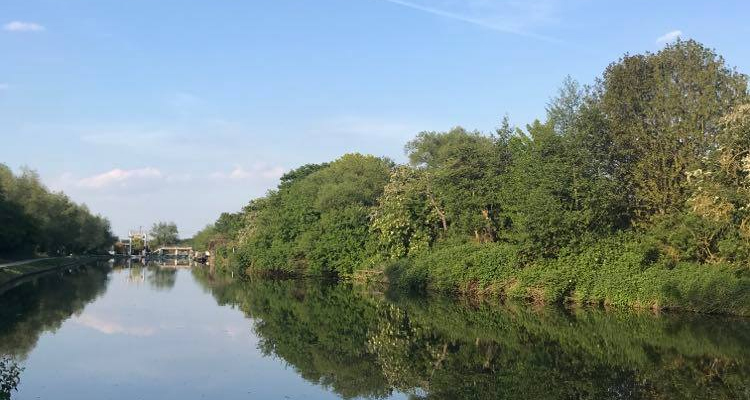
34, 220
633, 190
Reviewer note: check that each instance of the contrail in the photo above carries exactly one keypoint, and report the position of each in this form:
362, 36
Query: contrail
473, 21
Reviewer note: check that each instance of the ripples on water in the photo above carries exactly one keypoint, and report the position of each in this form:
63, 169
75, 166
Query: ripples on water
154, 332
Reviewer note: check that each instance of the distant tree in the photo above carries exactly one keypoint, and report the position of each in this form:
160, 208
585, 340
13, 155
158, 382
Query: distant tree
229, 224
33, 219
163, 233
202, 239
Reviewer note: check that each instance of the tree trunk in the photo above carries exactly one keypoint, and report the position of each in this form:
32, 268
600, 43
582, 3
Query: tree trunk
440, 213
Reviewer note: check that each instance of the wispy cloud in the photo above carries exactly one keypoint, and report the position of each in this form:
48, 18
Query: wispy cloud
21, 26
508, 16
118, 177
669, 36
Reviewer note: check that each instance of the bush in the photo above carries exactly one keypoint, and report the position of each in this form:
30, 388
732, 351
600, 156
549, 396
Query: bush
624, 270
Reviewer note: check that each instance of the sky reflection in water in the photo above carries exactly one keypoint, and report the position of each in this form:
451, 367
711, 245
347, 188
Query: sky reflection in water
130, 333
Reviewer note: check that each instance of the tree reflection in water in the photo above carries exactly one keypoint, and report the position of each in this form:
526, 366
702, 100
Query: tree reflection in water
44, 303
161, 277
358, 343
38, 306
10, 377
361, 343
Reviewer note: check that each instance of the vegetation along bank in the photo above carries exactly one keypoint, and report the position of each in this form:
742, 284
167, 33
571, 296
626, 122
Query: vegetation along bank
634, 191
13, 273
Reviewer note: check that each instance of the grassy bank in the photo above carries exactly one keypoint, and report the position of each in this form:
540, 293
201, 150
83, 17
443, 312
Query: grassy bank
615, 272
12, 274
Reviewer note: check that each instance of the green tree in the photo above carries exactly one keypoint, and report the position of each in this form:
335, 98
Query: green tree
37, 220
407, 218
663, 111
317, 221
563, 110
18, 234
463, 173
163, 233
716, 226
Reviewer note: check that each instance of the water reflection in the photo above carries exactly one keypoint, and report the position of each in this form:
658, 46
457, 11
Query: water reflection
41, 305
158, 274
10, 374
155, 331
371, 345
44, 303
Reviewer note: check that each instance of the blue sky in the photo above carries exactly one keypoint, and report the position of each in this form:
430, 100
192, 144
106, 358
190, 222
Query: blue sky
178, 110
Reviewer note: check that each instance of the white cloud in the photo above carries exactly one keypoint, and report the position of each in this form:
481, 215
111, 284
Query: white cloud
179, 178
119, 177
111, 327
20, 26
669, 36
259, 171
509, 16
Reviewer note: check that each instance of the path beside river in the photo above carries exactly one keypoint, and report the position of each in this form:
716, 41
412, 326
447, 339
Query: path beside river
11, 273
23, 262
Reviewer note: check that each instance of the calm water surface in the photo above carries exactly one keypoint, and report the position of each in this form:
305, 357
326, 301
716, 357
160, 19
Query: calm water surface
116, 332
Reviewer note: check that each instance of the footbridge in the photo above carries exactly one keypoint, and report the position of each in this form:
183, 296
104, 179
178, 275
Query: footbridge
174, 252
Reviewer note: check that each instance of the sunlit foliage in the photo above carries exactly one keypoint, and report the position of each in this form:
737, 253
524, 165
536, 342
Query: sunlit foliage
633, 191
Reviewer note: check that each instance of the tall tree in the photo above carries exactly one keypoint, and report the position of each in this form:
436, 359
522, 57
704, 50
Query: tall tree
663, 110
163, 233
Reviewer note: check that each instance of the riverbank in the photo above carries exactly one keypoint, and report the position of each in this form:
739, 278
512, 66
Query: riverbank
13, 272
610, 273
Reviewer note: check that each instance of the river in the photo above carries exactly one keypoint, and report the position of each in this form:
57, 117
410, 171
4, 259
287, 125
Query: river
118, 332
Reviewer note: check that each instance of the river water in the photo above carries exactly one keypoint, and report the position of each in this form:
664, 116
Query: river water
135, 332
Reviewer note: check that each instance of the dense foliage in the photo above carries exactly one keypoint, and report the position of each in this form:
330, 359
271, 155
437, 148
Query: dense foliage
317, 221
35, 220
634, 191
